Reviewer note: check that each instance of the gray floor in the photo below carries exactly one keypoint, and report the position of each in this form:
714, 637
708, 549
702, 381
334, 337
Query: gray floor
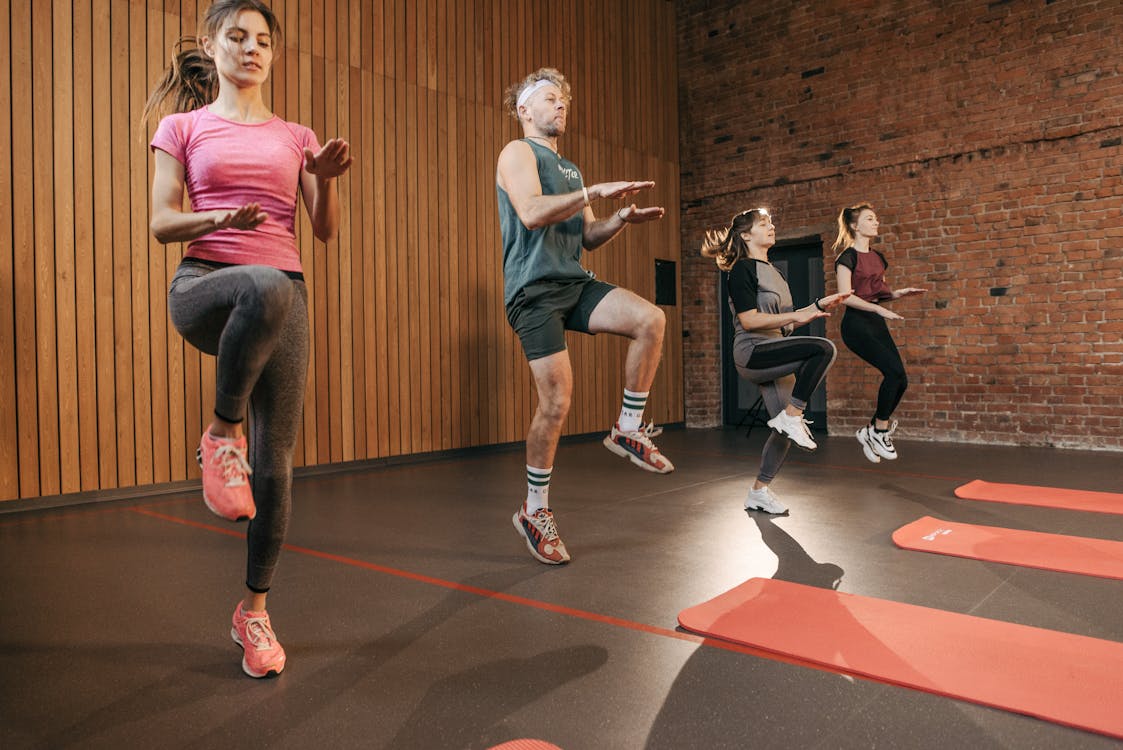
413, 616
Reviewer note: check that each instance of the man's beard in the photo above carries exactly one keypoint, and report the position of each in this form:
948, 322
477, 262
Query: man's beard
551, 130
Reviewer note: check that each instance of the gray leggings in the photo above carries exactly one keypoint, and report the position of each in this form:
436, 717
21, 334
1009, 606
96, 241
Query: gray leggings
782, 359
254, 319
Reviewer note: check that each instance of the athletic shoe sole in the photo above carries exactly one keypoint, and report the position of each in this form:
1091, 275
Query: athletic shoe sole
212, 509
771, 511
246, 666
795, 441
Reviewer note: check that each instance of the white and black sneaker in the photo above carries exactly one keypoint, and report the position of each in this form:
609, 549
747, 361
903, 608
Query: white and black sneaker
866, 440
882, 442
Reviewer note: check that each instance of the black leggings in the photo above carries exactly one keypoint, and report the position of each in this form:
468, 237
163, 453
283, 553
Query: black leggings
807, 357
866, 334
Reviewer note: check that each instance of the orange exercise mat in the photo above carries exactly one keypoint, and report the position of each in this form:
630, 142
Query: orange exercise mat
1032, 549
1049, 497
1068, 679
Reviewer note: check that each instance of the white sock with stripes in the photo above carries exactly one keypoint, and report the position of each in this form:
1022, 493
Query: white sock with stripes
631, 414
537, 488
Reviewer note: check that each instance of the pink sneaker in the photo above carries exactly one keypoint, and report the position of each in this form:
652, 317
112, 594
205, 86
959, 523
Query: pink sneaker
225, 469
263, 656
637, 447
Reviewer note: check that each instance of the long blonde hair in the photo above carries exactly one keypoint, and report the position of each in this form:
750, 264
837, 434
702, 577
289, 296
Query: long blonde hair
191, 79
846, 217
727, 246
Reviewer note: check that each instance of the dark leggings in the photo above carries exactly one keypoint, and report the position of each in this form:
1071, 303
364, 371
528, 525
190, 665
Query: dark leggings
255, 320
806, 357
787, 371
866, 334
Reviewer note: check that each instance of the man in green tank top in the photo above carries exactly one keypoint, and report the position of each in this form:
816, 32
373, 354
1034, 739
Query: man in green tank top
546, 221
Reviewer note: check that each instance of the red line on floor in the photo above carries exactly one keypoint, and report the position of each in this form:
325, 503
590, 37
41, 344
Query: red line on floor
63, 515
499, 595
812, 464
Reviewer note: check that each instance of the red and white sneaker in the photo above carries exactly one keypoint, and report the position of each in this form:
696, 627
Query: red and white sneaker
651, 429
226, 490
540, 533
637, 447
262, 655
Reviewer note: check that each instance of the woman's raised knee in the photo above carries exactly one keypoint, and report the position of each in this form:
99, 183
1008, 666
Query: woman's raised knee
272, 295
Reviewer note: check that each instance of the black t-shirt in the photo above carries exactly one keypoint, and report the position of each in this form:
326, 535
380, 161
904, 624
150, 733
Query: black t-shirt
743, 286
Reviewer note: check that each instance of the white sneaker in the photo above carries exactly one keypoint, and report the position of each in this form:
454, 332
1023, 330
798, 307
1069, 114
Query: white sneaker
651, 429
882, 442
763, 499
795, 428
864, 438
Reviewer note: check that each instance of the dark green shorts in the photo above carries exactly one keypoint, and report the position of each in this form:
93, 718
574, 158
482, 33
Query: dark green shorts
542, 312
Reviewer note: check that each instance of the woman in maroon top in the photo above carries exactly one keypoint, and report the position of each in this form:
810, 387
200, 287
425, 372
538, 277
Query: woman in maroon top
861, 271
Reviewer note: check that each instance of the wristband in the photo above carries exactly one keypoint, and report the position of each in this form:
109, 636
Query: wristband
620, 216
585, 190
817, 307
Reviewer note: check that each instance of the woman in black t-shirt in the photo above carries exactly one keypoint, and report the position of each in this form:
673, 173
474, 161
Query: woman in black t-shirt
786, 368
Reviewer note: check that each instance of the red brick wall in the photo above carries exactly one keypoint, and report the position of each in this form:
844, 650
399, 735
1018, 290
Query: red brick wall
988, 137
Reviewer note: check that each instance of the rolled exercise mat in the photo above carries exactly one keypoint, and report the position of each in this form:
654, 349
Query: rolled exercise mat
1069, 679
1048, 497
1032, 549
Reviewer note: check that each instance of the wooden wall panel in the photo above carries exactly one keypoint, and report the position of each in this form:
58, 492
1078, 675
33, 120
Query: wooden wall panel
9, 426
411, 351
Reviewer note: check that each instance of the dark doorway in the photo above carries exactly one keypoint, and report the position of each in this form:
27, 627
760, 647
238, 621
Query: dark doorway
801, 262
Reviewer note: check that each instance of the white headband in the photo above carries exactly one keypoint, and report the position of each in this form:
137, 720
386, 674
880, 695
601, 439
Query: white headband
529, 90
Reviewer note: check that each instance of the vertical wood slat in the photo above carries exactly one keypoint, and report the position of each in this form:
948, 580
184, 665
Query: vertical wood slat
336, 330
89, 472
42, 43
121, 144
374, 105
139, 244
101, 187
60, 192
9, 424
178, 440
411, 348
23, 245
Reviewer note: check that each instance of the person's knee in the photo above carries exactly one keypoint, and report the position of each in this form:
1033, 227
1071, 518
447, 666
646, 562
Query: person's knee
273, 292
653, 324
830, 351
554, 406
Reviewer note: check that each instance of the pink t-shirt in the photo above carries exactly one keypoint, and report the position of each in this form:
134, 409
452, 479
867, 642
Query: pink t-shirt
228, 164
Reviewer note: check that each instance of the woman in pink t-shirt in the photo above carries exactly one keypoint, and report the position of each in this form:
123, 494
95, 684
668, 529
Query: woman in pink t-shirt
861, 272
239, 292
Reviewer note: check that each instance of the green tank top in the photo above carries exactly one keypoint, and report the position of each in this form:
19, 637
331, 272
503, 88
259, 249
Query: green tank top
553, 252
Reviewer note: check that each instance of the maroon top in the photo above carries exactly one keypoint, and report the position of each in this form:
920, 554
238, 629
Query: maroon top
867, 273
